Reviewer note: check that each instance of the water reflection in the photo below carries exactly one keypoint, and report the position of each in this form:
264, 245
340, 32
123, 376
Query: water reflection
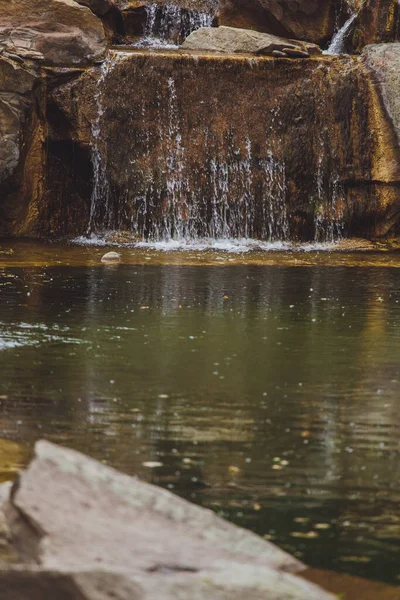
268, 393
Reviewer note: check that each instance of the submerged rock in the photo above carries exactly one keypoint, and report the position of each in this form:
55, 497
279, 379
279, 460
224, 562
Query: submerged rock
81, 526
59, 32
231, 40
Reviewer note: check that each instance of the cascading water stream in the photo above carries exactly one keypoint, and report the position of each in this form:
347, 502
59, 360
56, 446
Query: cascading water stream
101, 190
337, 45
169, 25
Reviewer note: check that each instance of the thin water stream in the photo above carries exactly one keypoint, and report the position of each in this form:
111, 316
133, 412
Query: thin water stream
264, 385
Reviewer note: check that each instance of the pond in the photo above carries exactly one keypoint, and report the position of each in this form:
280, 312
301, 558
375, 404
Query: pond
265, 385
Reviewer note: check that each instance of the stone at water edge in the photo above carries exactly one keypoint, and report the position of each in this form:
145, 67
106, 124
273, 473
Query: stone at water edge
80, 525
111, 257
231, 41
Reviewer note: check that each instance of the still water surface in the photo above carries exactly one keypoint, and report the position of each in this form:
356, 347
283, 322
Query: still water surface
266, 387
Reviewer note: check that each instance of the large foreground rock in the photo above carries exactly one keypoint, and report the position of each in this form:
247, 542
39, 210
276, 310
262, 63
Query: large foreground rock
231, 40
384, 61
59, 32
84, 530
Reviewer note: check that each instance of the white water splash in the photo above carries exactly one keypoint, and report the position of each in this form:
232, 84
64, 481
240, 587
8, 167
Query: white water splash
101, 188
167, 26
228, 245
337, 45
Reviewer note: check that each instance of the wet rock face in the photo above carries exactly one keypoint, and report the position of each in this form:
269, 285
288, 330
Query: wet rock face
227, 146
19, 141
311, 20
79, 528
377, 21
58, 32
231, 40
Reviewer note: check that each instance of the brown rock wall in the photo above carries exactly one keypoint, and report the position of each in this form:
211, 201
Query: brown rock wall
213, 145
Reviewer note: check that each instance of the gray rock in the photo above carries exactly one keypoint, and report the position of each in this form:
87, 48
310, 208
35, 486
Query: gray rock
231, 40
384, 61
93, 530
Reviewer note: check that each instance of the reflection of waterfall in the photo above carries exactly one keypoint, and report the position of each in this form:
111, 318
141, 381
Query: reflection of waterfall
171, 24
337, 45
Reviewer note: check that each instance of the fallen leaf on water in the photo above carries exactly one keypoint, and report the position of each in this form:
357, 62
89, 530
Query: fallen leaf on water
308, 535
301, 520
233, 469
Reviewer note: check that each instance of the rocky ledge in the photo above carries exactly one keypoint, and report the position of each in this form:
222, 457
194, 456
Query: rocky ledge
231, 40
72, 528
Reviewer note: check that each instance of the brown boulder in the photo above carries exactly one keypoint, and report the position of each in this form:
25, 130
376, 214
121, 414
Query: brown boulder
312, 20
231, 40
16, 84
60, 32
99, 7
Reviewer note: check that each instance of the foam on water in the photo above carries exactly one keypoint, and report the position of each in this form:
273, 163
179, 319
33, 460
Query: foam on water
228, 245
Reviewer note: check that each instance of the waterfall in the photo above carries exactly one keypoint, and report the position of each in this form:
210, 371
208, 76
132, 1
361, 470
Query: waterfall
101, 189
337, 45
169, 25
183, 169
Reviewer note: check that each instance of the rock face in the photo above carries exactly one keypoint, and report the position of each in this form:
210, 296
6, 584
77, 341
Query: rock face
223, 145
16, 85
99, 7
59, 32
311, 20
377, 21
231, 40
79, 527
384, 61
21, 140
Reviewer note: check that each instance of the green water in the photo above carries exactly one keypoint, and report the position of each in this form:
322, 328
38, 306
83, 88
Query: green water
266, 387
